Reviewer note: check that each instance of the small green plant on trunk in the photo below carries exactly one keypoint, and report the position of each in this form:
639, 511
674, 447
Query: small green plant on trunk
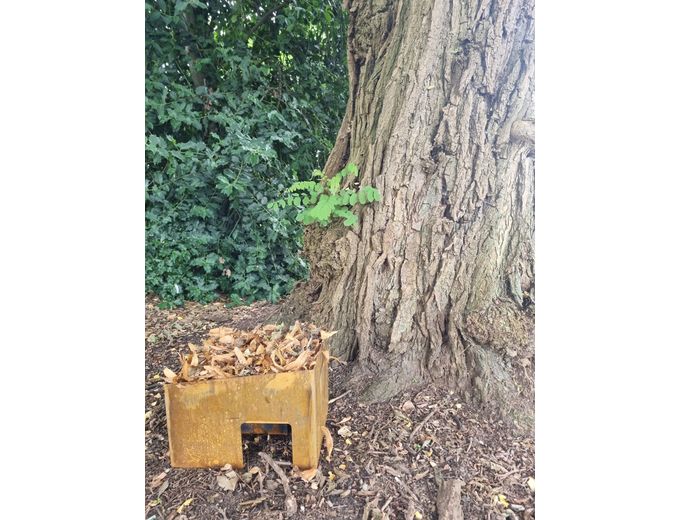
322, 199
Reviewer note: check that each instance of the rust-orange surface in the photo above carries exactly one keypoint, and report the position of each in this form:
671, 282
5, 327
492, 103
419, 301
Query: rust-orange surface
204, 418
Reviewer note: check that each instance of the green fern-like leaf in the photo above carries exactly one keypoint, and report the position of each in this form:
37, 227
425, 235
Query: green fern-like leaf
322, 210
308, 186
349, 218
345, 196
324, 200
368, 194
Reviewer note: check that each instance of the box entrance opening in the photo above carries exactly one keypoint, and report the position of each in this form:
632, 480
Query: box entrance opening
273, 439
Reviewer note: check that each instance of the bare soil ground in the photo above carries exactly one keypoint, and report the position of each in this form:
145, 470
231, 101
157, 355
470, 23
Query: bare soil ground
388, 461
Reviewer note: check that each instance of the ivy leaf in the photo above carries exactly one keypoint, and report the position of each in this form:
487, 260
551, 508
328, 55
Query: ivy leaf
180, 6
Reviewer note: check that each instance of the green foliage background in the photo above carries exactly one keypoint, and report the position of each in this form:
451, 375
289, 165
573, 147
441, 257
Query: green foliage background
242, 100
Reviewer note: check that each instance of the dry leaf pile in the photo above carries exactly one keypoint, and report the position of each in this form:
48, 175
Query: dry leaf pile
229, 352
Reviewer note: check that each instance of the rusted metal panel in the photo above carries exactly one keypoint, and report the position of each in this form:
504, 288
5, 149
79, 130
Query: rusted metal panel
205, 418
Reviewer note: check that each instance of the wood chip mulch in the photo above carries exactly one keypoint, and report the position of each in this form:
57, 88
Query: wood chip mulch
388, 462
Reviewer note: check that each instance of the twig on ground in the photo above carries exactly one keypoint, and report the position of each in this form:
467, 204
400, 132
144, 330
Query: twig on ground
411, 511
418, 428
248, 503
408, 491
371, 509
503, 477
331, 401
290, 503
387, 503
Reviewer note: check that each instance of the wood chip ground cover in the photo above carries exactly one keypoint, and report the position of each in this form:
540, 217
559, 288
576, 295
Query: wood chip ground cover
387, 462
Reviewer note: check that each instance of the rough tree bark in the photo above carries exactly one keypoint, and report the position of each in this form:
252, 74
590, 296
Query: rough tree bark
437, 282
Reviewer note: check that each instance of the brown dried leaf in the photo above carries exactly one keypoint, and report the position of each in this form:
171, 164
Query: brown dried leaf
296, 329
223, 358
229, 480
185, 372
298, 363
279, 357
266, 363
219, 373
241, 358
156, 481
220, 331
329, 441
307, 474
170, 376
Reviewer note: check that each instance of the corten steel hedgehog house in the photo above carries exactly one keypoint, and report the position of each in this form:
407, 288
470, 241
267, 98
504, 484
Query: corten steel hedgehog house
204, 418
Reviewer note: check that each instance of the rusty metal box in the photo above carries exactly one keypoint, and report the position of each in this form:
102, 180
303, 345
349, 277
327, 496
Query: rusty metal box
204, 418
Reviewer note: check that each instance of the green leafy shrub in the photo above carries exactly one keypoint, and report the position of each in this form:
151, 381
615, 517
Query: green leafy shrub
238, 106
319, 201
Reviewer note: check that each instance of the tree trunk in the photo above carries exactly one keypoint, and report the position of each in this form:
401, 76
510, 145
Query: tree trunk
437, 282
